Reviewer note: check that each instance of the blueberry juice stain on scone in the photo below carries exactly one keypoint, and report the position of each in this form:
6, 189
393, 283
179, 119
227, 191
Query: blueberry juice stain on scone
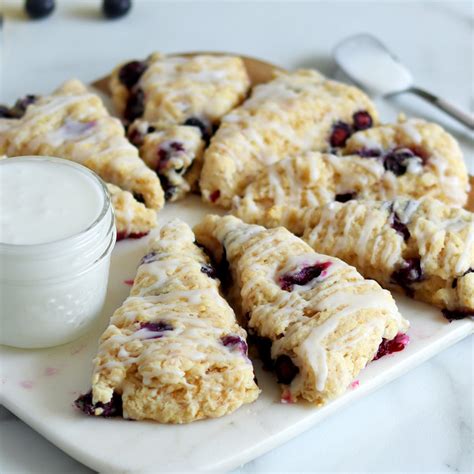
313, 319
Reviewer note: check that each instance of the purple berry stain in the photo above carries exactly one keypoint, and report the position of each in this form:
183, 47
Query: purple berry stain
235, 343
158, 327
150, 257
303, 276
389, 346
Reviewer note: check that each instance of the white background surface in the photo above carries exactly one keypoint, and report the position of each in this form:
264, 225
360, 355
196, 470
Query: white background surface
423, 421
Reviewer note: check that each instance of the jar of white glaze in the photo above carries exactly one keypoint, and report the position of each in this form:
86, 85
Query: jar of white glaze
57, 232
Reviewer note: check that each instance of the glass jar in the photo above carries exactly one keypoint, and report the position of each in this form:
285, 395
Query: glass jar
51, 292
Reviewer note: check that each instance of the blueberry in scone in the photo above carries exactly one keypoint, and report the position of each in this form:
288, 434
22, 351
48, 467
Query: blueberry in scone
317, 322
72, 123
412, 158
173, 352
173, 95
422, 247
427, 160
289, 115
174, 152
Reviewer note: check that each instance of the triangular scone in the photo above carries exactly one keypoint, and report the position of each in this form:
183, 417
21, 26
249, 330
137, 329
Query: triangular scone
424, 247
293, 113
320, 320
132, 219
173, 352
423, 154
279, 193
173, 103
73, 123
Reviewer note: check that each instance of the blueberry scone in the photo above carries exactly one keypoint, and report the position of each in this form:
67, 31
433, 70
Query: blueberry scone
423, 247
174, 152
73, 123
425, 158
179, 92
132, 219
291, 114
280, 193
317, 321
173, 352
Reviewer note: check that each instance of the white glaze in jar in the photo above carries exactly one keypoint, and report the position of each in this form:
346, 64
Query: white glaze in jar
57, 234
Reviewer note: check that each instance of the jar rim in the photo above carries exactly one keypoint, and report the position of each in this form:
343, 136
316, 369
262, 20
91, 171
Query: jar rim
78, 235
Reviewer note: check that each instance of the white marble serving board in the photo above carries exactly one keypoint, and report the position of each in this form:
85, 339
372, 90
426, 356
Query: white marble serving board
39, 386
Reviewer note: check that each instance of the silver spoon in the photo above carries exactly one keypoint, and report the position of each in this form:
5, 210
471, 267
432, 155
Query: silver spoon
373, 67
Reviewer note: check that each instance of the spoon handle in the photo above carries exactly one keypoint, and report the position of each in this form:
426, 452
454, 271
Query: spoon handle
450, 109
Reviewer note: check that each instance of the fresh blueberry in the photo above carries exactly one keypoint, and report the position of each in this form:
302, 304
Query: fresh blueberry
344, 197
303, 276
135, 105
397, 344
341, 131
409, 273
110, 409
116, 8
285, 369
362, 120
39, 8
235, 343
131, 72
